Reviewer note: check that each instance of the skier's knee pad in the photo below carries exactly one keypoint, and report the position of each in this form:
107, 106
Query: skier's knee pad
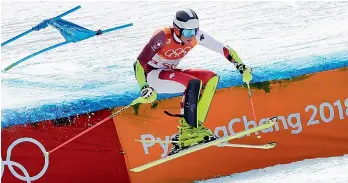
191, 100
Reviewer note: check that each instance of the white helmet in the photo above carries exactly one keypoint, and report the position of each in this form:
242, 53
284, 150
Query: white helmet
185, 19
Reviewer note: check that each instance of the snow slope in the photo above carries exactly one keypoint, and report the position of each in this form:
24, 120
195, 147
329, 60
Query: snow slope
279, 39
319, 170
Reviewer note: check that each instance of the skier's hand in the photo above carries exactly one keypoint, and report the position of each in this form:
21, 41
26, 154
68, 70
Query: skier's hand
148, 94
240, 66
243, 68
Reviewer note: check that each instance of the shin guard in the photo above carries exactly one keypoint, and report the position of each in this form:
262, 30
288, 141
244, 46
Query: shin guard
191, 100
207, 97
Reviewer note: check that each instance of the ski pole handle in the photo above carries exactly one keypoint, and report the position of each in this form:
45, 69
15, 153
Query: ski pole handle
247, 77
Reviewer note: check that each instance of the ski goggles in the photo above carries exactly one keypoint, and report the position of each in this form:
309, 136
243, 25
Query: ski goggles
189, 32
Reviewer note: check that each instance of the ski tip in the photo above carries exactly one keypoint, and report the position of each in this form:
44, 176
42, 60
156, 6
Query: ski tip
143, 141
272, 121
272, 144
137, 169
134, 170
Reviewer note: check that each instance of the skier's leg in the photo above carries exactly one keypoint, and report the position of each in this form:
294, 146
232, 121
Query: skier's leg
175, 81
207, 97
191, 93
168, 81
210, 81
191, 100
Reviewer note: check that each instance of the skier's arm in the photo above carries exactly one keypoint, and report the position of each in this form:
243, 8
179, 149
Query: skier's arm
141, 65
139, 74
230, 54
148, 94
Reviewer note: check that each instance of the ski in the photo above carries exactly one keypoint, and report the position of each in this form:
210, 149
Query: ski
269, 145
195, 148
157, 141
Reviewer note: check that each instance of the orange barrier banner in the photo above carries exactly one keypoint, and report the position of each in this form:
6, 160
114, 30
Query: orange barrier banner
313, 122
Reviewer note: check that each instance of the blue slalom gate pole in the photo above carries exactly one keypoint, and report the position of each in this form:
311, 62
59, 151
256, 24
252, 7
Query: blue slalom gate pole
118, 27
70, 31
67, 12
16, 37
32, 29
34, 54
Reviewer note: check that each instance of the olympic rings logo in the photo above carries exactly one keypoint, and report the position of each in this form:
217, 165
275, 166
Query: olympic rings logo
10, 163
179, 52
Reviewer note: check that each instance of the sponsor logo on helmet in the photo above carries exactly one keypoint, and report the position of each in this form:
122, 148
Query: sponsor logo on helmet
201, 37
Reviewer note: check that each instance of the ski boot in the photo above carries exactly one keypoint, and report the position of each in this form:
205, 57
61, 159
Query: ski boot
189, 136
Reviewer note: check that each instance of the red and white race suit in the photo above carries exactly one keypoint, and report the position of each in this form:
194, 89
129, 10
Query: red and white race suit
162, 54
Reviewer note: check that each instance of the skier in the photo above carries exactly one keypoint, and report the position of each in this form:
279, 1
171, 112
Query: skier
156, 71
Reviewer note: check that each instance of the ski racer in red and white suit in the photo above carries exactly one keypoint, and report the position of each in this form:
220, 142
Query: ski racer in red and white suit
156, 71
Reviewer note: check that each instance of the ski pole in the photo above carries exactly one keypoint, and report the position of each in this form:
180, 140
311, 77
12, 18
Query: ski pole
138, 100
247, 77
251, 101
